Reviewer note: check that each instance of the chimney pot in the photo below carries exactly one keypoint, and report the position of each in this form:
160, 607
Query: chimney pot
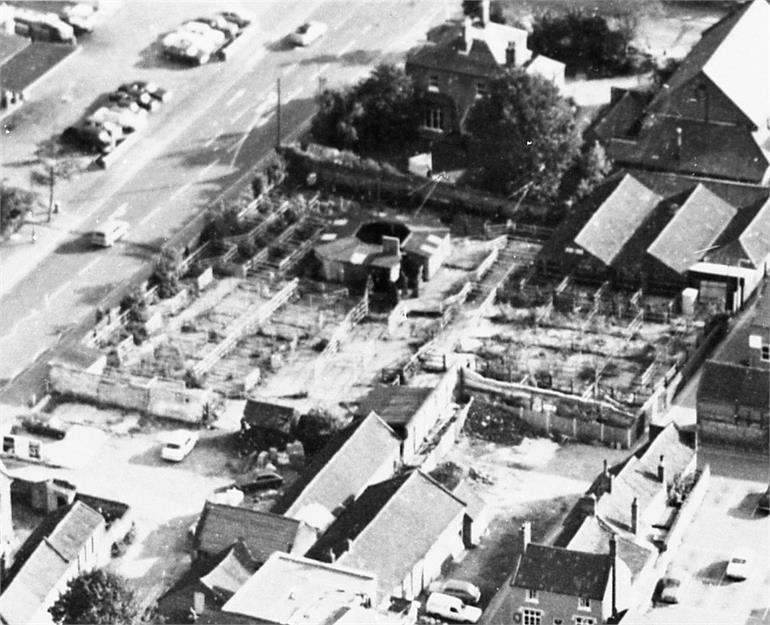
525, 535
678, 143
332, 557
662, 471
510, 54
605, 470
610, 482
485, 12
634, 516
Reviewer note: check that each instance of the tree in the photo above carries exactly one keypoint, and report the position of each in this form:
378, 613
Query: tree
527, 135
97, 597
379, 113
594, 165
135, 305
15, 203
314, 429
472, 8
167, 273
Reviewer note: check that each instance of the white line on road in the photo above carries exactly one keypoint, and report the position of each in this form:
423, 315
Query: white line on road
120, 210
212, 140
49, 297
88, 266
179, 191
346, 48
205, 170
366, 29
237, 95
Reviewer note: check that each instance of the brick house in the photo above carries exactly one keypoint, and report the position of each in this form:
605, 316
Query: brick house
456, 70
733, 400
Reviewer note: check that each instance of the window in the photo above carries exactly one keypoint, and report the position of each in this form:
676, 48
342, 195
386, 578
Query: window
530, 616
8, 444
532, 595
584, 603
765, 352
481, 89
34, 450
583, 620
433, 82
434, 119
557, 621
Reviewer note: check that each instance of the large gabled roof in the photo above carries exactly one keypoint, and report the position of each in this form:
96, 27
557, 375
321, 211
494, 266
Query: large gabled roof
692, 230
735, 55
617, 219
343, 467
724, 382
407, 514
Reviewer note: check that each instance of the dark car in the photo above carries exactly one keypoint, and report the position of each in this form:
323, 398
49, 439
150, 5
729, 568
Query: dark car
141, 98
89, 138
44, 428
150, 88
261, 481
239, 19
667, 590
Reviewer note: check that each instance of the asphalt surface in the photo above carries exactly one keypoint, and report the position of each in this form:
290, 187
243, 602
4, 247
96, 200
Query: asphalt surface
220, 122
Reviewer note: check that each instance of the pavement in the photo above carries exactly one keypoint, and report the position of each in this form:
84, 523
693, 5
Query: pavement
205, 141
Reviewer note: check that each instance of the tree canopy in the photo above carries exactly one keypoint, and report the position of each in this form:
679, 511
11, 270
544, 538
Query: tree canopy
379, 113
527, 134
472, 8
96, 597
14, 204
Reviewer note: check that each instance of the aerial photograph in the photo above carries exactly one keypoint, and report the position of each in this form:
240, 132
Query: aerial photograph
385, 312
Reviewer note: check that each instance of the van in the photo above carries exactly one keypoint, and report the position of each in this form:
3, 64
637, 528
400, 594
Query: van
451, 608
109, 232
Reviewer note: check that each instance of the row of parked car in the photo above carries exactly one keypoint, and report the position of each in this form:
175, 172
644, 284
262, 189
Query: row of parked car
202, 39
125, 112
72, 20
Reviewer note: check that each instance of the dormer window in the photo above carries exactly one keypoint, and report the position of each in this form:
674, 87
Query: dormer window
584, 603
532, 596
433, 82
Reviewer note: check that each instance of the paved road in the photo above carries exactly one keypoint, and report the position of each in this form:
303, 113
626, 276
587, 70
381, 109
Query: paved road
220, 123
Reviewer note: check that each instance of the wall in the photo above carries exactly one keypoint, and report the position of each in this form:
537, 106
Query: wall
688, 511
553, 605
717, 431
160, 398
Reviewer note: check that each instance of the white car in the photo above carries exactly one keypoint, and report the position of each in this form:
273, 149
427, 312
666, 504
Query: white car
120, 116
465, 591
452, 608
308, 33
217, 37
80, 16
109, 232
178, 444
189, 46
739, 564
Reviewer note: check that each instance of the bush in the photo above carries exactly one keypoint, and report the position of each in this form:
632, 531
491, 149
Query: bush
167, 273
14, 205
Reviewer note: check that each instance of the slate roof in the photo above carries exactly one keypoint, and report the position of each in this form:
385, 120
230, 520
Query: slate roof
392, 525
755, 239
343, 467
564, 571
50, 554
622, 118
270, 415
262, 532
396, 405
735, 55
617, 219
761, 312
724, 382
692, 230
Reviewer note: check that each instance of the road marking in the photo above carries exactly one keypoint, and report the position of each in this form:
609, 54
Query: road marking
367, 28
294, 94
347, 48
87, 266
212, 140
237, 95
179, 191
55, 293
120, 210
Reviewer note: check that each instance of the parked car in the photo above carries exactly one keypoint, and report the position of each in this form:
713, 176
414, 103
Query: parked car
127, 98
51, 428
451, 608
188, 46
667, 590
150, 88
106, 235
764, 502
80, 16
91, 137
465, 591
308, 33
129, 118
217, 37
227, 495
240, 19
739, 563
178, 445
218, 22
261, 481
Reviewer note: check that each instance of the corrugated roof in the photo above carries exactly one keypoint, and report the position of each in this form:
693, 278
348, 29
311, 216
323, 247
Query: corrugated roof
406, 513
343, 467
396, 405
617, 219
692, 230
263, 533
271, 415
723, 382
564, 571
230, 573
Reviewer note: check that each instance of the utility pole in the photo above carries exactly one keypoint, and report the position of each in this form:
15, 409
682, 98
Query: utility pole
278, 114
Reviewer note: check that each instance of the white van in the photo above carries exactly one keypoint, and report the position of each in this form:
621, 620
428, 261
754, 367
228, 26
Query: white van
452, 608
109, 232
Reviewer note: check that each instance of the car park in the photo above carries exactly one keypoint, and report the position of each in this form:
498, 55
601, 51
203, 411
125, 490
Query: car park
667, 590
308, 33
465, 591
178, 445
452, 608
739, 563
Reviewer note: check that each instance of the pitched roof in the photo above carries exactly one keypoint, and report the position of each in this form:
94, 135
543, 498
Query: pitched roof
616, 220
407, 513
725, 382
50, 555
755, 239
735, 55
694, 227
343, 467
564, 571
396, 405
271, 415
262, 532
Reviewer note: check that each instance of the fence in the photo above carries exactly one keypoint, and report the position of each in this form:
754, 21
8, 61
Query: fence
243, 326
687, 512
354, 316
538, 408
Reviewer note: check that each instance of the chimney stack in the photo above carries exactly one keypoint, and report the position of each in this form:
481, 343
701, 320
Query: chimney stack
634, 516
662, 471
348, 544
485, 12
525, 535
588, 504
605, 469
331, 555
614, 573
510, 54
679, 143
467, 34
